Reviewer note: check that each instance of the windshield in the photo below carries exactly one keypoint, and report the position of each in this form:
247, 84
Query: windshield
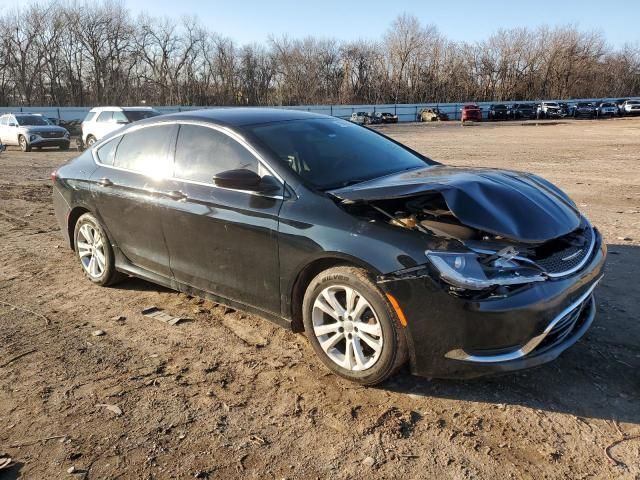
332, 153
135, 115
552, 104
28, 120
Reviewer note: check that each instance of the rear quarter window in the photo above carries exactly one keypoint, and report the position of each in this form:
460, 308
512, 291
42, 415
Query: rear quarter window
106, 153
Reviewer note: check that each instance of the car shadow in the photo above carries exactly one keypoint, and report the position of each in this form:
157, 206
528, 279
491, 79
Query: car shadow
140, 285
596, 378
12, 472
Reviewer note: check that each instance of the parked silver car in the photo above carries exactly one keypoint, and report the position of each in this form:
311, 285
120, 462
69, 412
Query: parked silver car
29, 130
607, 109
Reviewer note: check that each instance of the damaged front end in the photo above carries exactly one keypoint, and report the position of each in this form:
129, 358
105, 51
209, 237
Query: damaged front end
491, 229
505, 276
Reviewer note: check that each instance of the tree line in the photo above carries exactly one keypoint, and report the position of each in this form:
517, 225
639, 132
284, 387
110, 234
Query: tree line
98, 53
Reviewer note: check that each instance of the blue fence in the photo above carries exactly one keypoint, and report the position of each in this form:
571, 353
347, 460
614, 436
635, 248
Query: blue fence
405, 112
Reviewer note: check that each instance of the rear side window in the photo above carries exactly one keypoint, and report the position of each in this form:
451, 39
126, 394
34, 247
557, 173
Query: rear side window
90, 116
145, 151
107, 152
202, 153
104, 117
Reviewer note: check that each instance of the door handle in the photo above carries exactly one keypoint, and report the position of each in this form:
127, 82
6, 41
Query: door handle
177, 195
105, 182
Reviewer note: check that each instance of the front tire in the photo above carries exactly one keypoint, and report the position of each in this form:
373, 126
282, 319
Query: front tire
24, 146
352, 327
94, 251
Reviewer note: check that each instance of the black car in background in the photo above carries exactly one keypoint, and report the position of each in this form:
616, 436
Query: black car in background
378, 253
585, 110
566, 110
498, 112
522, 111
388, 117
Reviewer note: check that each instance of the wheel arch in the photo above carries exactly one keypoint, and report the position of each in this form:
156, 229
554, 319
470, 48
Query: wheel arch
308, 272
74, 215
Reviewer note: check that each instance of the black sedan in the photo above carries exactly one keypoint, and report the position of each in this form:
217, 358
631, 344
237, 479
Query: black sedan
498, 112
379, 254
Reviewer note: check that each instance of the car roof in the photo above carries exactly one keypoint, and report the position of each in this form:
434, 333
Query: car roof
120, 109
237, 116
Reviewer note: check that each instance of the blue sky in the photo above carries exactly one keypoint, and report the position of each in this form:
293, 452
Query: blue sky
253, 20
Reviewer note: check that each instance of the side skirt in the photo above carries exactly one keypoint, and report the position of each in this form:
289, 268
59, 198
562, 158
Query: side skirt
124, 266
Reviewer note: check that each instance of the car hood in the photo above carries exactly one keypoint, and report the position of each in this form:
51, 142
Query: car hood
42, 128
516, 205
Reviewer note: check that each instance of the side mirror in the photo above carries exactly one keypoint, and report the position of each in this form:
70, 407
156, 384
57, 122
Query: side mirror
2, 148
13, 124
243, 179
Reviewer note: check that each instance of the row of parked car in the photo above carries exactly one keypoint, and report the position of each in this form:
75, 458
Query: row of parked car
373, 118
34, 130
519, 111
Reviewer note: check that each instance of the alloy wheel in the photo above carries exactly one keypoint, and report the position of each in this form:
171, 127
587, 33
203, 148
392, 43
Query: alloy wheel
90, 245
347, 328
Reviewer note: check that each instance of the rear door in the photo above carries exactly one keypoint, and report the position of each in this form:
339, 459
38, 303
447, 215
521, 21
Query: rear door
221, 240
128, 189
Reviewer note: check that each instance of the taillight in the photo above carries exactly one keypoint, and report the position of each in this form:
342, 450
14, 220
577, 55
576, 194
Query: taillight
54, 175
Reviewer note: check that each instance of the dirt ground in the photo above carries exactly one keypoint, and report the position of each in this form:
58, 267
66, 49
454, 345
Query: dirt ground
230, 395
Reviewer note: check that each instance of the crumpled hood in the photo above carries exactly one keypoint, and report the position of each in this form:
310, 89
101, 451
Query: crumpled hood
519, 206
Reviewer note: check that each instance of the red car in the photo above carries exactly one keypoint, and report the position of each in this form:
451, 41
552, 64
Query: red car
471, 111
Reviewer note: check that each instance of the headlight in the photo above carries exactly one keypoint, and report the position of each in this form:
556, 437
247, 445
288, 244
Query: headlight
463, 270
66, 134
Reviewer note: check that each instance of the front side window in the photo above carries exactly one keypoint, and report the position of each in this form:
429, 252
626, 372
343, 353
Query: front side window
4, 120
146, 151
135, 115
331, 153
202, 153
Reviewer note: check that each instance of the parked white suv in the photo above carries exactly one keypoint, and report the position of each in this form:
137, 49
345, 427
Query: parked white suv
101, 121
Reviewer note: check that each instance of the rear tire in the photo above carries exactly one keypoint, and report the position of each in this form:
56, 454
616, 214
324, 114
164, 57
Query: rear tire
360, 340
93, 248
90, 140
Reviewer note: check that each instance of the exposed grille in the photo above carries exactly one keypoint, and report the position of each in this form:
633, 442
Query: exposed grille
566, 325
569, 256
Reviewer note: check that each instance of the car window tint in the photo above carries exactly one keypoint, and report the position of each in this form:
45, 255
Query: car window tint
104, 117
145, 151
120, 117
202, 153
330, 153
106, 153
89, 116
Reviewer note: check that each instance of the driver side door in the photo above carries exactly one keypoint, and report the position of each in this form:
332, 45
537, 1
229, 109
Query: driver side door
222, 240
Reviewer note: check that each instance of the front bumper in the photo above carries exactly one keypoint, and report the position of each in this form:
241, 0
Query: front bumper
39, 141
455, 337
